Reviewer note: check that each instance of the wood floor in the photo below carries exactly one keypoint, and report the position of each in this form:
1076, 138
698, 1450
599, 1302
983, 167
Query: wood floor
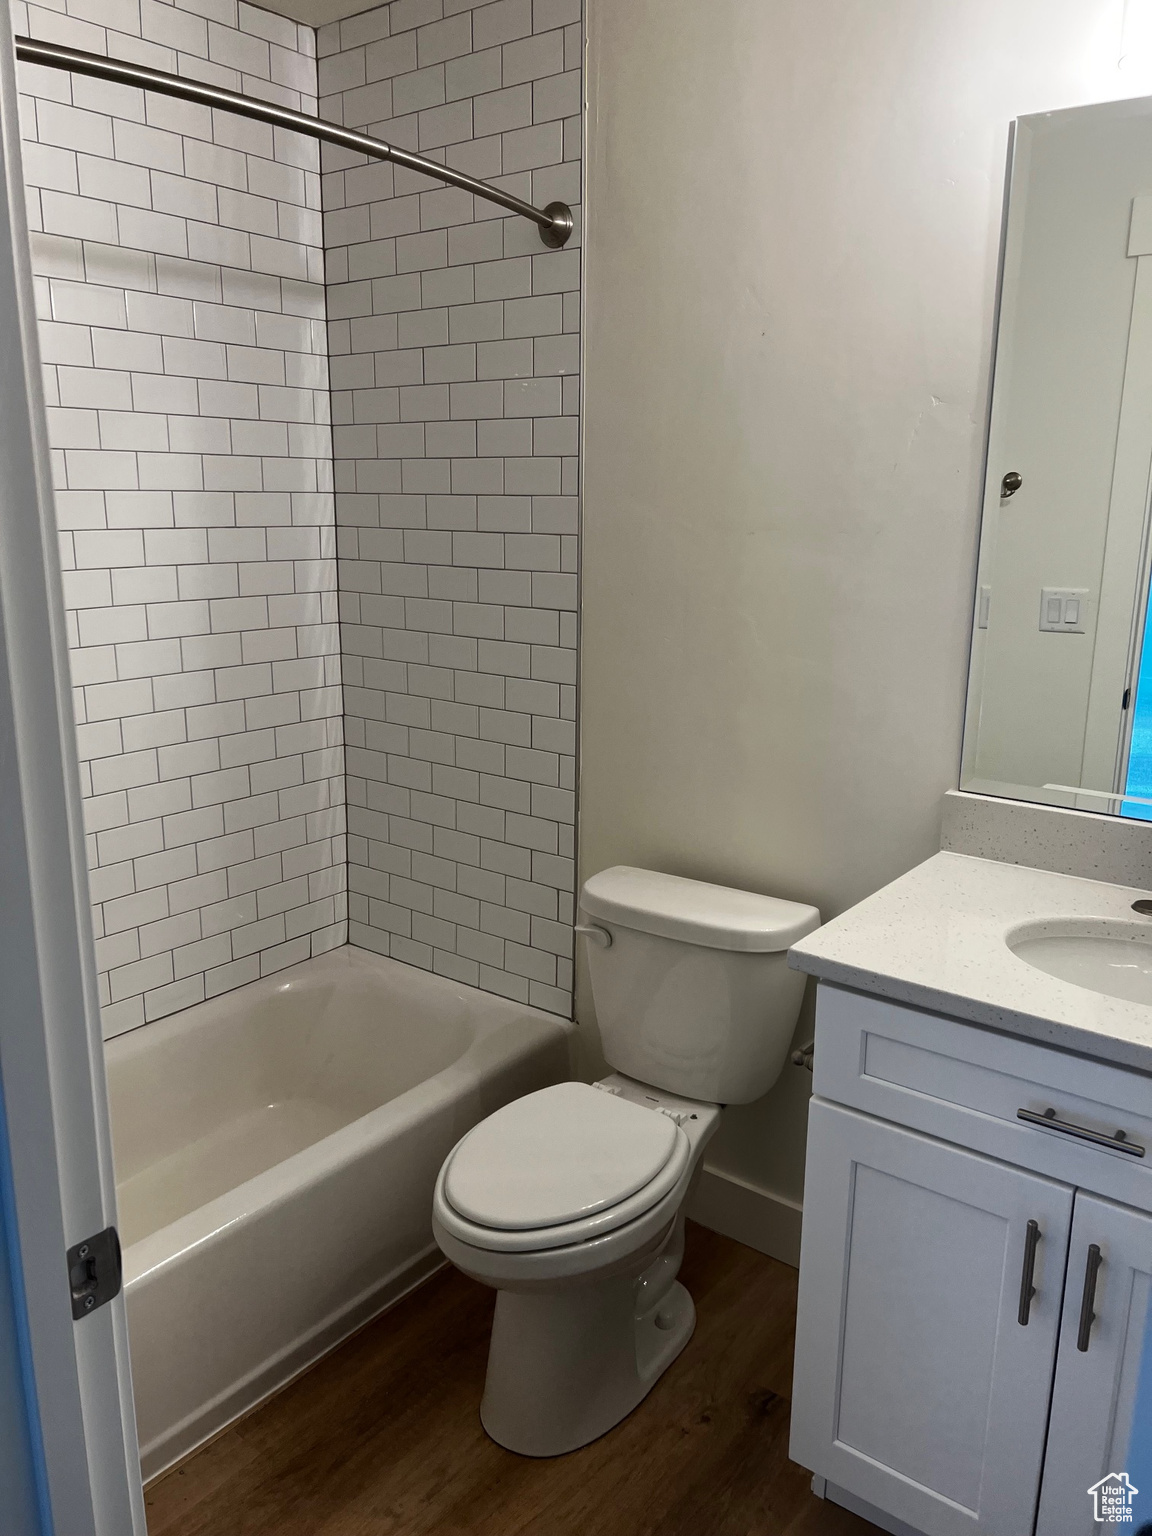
382, 1438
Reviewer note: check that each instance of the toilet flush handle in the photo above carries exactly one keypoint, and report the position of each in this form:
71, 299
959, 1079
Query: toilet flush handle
592, 931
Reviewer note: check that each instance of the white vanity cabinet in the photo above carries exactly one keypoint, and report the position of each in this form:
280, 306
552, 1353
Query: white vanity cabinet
917, 1388
1100, 1365
951, 1374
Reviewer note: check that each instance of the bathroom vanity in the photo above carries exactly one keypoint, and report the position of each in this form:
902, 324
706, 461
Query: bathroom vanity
976, 1265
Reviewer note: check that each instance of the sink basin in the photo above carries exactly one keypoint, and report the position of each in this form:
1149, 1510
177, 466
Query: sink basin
1105, 955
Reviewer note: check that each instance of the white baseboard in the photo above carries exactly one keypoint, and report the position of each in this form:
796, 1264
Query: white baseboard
758, 1218
866, 1511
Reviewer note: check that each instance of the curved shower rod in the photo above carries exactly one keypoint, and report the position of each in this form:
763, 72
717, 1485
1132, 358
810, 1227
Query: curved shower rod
555, 221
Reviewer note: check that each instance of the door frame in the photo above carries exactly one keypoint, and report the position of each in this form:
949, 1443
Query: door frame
1123, 596
78, 1381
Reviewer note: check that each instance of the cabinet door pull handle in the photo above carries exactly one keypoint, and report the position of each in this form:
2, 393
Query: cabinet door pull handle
1027, 1290
1118, 1141
1088, 1299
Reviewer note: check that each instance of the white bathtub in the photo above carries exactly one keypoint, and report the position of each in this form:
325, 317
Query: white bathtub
276, 1152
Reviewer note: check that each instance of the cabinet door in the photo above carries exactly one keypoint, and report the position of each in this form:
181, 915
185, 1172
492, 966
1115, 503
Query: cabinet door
1101, 1426
917, 1386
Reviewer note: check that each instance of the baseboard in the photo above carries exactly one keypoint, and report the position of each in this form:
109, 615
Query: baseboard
756, 1217
837, 1495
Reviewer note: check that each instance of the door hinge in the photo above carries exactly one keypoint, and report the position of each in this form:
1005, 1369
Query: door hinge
94, 1272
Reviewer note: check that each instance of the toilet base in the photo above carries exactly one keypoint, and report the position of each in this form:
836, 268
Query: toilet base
564, 1366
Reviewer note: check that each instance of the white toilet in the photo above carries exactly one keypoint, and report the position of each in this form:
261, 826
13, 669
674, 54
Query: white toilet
570, 1201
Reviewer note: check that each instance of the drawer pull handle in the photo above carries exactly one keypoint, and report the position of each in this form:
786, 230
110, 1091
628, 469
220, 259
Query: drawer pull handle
1027, 1289
1118, 1141
1088, 1299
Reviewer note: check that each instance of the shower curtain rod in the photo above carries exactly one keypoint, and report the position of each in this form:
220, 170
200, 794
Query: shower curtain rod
555, 221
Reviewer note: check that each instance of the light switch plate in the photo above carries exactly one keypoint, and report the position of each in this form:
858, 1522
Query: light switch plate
1064, 610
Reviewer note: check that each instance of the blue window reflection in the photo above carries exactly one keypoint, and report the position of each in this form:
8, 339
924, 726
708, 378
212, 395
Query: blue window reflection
1139, 780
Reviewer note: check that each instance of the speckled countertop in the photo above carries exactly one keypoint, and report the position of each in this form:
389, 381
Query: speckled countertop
935, 938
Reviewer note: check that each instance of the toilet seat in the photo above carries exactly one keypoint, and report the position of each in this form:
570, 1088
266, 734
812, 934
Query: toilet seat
558, 1167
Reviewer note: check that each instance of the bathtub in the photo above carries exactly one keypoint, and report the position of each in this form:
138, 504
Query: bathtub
276, 1151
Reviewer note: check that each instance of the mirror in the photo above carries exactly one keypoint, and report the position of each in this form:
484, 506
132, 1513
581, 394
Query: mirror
1060, 687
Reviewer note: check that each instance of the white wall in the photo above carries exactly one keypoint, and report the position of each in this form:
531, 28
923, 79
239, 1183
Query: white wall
180, 285
793, 221
455, 341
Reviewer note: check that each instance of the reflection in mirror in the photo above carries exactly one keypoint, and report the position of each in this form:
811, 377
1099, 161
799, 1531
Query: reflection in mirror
1060, 689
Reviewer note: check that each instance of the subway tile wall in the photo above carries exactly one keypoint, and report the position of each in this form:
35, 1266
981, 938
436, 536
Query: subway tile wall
454, 342
180, 283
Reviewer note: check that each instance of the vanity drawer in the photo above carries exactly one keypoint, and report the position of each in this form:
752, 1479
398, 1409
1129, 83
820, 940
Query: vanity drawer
969, 1085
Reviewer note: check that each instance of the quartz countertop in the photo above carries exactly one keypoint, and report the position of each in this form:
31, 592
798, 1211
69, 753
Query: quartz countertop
935, 939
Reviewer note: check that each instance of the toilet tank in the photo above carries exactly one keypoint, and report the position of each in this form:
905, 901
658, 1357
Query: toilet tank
693, 994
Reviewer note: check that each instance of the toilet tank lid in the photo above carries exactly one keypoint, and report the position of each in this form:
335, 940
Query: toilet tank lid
715, 916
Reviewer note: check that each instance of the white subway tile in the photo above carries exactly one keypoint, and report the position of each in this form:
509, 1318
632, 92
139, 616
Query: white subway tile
159, 1002
108, 625
153, 231
82, 217
139, 144
114, 181
501, 22
94, 387
250, 427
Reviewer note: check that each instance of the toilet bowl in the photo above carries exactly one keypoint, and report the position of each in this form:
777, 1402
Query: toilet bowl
588, 1309
570, 1201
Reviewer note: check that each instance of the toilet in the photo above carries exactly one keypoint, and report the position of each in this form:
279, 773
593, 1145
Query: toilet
570, 1201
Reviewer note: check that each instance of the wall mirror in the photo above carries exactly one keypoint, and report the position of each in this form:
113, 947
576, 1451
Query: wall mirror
1060, 687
